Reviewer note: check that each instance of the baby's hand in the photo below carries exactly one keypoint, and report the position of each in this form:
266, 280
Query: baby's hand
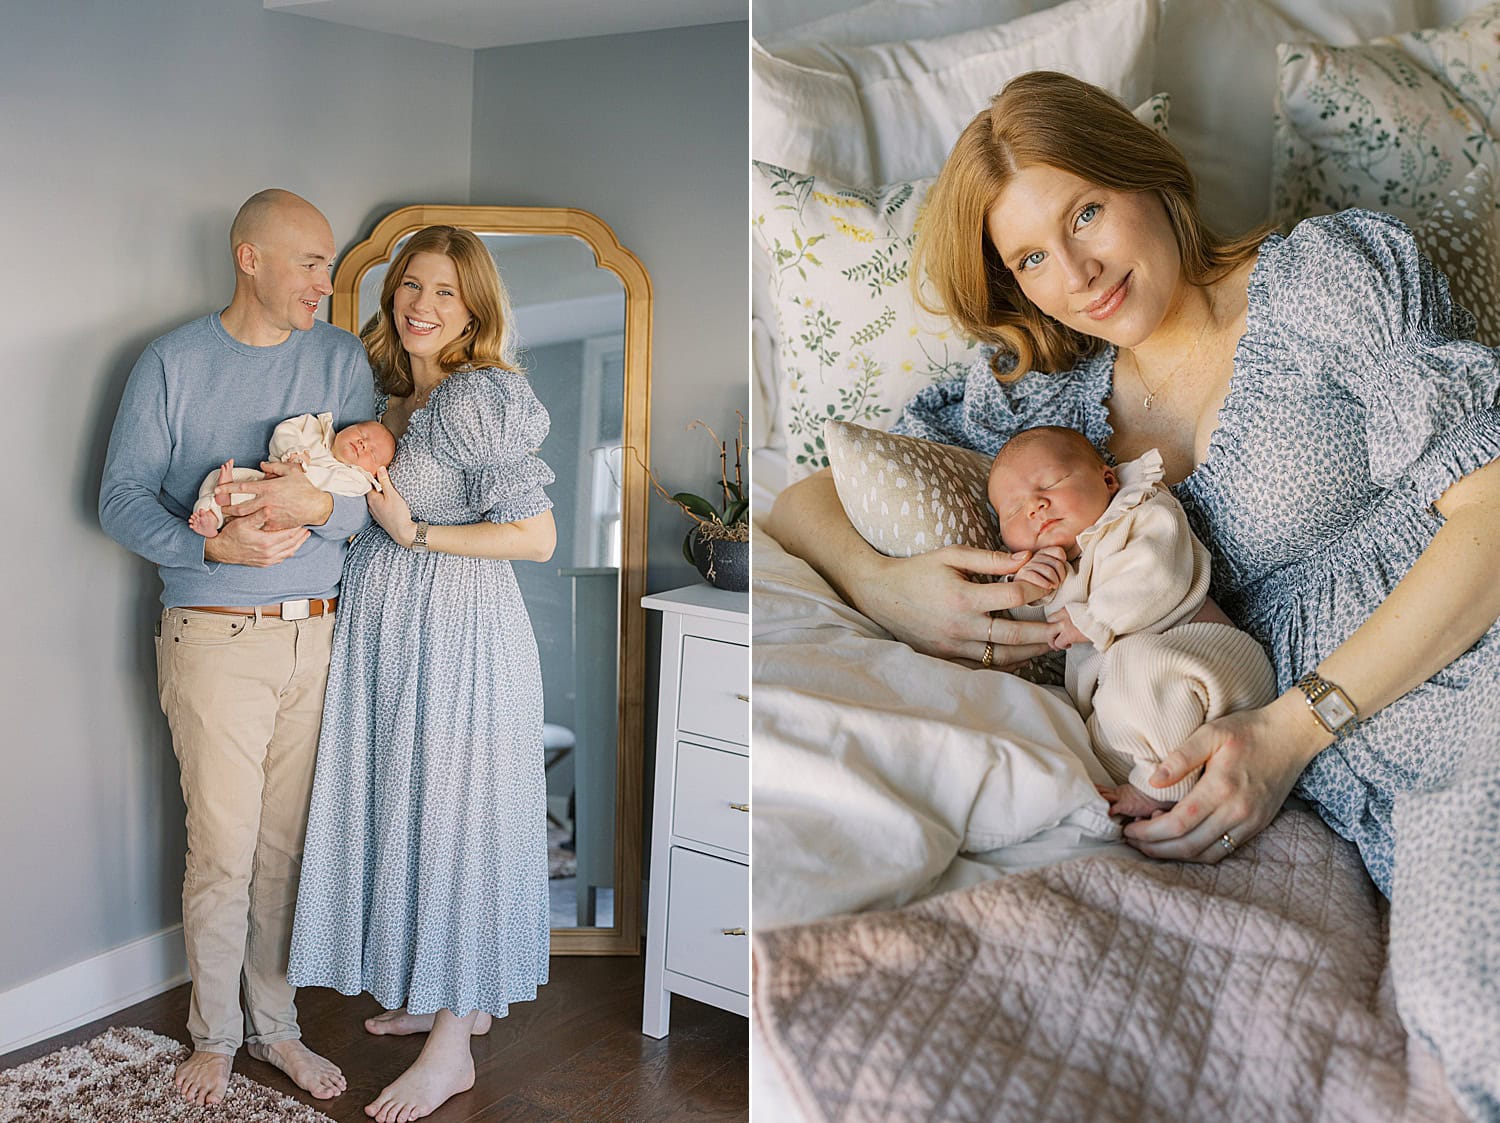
1047, 568
1130, 802
296, 456
1064, 632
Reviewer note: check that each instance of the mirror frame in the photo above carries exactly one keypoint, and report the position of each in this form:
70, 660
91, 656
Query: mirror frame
624, 937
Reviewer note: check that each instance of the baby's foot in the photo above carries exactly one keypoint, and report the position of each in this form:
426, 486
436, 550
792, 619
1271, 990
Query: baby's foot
1132, 803
398, 1023
204, 522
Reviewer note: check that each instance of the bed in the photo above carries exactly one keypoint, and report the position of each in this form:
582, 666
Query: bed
946, 923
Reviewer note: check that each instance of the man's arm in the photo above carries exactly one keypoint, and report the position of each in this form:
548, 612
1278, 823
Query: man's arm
140, 449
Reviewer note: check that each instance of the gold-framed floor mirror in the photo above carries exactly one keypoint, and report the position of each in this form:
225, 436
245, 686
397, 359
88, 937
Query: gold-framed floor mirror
582, 309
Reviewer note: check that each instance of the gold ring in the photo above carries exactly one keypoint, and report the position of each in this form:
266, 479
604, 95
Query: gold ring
989, 655
1227, 842
989, 633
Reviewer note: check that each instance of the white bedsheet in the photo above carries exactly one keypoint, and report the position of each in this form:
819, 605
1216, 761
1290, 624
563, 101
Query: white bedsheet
876, 767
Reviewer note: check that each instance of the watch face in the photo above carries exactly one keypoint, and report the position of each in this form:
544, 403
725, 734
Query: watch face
1334, 709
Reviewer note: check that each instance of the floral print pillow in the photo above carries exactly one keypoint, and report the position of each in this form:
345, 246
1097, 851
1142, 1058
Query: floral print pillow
1392, 125
852, 343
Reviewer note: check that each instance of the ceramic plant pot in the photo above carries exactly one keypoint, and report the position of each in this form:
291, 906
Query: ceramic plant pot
723, 564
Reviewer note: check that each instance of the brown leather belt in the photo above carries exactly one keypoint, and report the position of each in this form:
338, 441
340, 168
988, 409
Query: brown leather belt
315, 607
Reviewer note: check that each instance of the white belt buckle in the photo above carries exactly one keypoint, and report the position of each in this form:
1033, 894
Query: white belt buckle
296, 609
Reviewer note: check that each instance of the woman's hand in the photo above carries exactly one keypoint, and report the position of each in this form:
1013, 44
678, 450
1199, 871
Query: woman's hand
1250, 761
391, 511
929, 602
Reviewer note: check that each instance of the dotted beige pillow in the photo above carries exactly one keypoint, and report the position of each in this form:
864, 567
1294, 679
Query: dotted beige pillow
905, 495
1461, 233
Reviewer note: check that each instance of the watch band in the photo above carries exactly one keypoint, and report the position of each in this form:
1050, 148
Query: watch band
419, 542
1328, 703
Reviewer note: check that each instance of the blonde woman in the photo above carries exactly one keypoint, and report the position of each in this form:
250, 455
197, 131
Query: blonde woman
425, 870
1331, 430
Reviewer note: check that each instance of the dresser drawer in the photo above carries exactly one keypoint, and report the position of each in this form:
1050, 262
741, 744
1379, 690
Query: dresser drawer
715, 684
709, 783
707, 896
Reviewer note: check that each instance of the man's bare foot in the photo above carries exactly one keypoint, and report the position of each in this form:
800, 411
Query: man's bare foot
445, 1068
315, 1075
398, 1023
203, 1078
204, 522
1132, 803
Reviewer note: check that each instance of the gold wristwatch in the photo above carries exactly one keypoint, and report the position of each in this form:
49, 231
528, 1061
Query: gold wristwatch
419, 542
1329, 704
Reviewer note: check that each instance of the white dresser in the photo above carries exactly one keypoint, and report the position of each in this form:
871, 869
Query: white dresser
697, 940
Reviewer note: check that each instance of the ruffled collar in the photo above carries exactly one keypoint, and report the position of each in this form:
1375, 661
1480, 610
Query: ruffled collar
1139, 479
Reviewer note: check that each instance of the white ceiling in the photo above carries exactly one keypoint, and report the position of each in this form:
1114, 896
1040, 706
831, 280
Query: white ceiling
478, 24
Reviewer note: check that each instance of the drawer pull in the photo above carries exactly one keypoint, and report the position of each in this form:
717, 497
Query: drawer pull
743, 697
734, 931
739, 807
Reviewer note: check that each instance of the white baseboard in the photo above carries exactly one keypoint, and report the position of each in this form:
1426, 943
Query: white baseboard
92, 989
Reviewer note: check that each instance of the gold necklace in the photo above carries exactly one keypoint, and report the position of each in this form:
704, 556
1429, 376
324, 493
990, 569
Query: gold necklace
1151, 392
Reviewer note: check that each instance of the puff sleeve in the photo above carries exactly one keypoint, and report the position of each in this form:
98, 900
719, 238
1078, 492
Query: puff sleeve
980, 412
488, 424
1366, 311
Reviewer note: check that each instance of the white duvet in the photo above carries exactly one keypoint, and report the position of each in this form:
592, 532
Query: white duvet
876, 766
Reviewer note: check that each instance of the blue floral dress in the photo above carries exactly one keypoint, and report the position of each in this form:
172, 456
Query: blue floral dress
424, 878
1356, 399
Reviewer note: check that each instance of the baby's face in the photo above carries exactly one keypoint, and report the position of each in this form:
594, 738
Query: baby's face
368, 445
1046, 494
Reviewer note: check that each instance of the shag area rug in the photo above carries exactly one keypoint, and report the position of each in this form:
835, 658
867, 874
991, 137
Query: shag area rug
126, 1075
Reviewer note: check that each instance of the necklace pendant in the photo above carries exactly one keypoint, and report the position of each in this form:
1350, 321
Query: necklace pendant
1147, 403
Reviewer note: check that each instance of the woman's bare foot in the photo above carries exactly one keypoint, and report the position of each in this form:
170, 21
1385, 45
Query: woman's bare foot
203, 1078
444, 1069
1132, 803
398, 1023
315, 1075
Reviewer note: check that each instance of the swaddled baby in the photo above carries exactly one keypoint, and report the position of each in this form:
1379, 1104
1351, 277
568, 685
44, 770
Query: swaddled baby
1124, 583
341, 463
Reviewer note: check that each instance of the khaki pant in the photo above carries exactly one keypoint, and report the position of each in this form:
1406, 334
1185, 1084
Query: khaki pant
244, 699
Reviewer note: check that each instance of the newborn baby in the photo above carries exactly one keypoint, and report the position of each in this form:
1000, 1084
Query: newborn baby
342, 463
1124, 583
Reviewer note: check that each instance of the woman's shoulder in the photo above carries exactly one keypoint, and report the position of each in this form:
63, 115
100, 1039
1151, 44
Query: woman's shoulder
1349, 276
484, 412
980, 410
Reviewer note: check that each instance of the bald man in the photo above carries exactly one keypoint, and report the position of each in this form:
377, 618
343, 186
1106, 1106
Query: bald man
245, 635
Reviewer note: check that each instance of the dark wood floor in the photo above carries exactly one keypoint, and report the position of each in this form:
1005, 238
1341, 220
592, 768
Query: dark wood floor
576, 1053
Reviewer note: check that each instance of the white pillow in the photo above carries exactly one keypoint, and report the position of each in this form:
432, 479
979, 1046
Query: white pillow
1215, 58
879, 114
890, 21
851, 342
1391, 125
1461, 233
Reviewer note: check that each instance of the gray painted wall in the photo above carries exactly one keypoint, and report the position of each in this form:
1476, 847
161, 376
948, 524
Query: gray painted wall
130, 134
650, 132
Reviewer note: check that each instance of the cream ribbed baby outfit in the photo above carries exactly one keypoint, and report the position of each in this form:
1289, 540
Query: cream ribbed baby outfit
309, 433
1148, 677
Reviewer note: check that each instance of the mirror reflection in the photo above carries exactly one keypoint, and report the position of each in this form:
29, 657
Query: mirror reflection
570, 319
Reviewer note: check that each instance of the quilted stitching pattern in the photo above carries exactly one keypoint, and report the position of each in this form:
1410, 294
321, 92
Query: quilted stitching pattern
1107, 989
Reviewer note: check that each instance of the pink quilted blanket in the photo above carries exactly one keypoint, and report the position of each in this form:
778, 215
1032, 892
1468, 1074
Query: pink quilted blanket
1106, 989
